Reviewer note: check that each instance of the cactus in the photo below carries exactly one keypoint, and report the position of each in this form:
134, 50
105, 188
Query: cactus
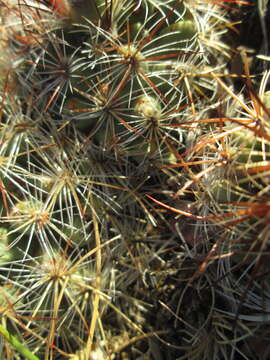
120, 241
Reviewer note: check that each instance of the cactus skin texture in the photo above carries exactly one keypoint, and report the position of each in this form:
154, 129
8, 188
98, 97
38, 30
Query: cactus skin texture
134, 183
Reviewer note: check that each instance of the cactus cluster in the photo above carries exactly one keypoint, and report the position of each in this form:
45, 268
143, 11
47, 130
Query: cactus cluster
134, 208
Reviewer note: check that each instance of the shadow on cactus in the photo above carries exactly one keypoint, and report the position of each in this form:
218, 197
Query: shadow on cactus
232, 215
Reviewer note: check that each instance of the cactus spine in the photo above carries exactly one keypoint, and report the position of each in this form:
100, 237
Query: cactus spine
118, 122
